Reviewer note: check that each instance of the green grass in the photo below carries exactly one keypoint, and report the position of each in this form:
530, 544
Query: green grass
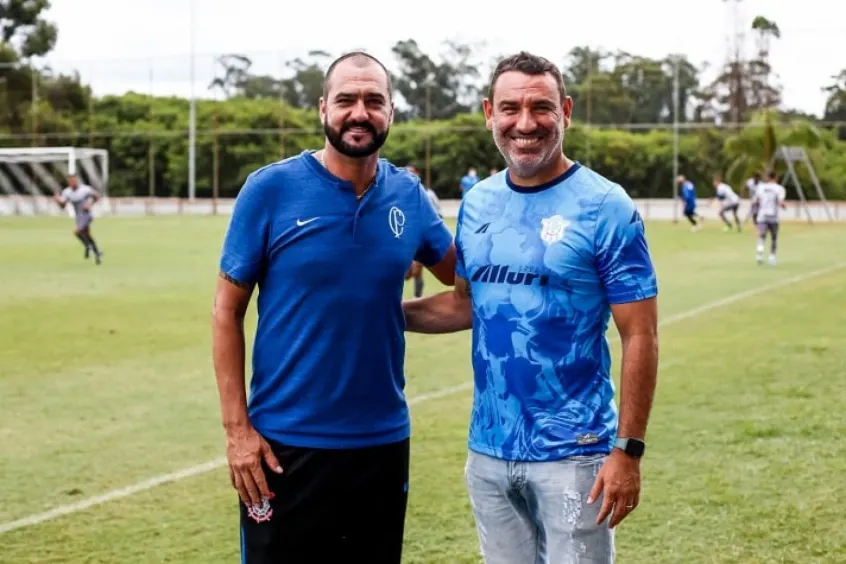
106, 380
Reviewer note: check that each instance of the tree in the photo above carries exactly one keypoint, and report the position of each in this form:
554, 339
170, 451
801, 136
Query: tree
617, 88
23, 27
835, 104
436, 89
751, 149
763, 94
305, 87
743, 87
236, 70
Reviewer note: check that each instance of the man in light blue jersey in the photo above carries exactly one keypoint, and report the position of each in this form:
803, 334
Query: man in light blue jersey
548, 251
320, 453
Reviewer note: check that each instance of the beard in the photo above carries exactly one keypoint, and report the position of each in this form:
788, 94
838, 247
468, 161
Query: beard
335, 137
526, 164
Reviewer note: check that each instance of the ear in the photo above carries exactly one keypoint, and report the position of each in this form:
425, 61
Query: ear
567, 110
487, 108
321, 108
391, 115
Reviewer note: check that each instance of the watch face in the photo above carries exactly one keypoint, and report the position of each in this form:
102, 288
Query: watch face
635, 447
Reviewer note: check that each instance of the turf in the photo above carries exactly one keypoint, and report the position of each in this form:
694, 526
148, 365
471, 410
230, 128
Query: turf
106, 381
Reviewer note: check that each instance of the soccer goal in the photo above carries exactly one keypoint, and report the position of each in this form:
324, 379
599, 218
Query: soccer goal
31, 176
791, 157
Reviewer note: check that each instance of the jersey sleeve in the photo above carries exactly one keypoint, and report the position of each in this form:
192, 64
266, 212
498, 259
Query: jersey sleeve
245, 242
622, 254
436, 238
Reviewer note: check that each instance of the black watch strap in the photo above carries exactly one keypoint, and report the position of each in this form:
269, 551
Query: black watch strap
632, 447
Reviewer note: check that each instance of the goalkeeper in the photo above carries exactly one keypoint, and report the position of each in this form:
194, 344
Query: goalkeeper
81, 197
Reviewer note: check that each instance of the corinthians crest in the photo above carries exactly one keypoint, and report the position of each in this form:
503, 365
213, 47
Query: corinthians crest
552, 229
261, 512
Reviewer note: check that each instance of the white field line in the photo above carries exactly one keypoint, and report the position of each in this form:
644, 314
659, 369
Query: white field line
220, 462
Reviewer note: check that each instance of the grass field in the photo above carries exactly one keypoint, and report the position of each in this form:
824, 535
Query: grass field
106, 381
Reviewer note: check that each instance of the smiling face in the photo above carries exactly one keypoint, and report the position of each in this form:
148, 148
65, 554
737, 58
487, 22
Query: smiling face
357, 109
528, 116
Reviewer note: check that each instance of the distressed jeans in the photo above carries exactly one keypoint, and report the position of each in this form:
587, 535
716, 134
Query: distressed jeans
537, 512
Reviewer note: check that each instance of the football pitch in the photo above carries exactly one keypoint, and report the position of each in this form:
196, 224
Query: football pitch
109, 411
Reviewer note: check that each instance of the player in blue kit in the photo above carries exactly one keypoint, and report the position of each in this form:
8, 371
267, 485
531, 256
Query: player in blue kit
688, 196
548, 252
319, 455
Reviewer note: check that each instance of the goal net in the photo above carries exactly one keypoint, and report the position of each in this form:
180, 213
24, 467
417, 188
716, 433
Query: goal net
31, 176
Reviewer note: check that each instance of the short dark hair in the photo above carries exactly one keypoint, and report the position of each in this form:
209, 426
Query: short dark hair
359, 58
530, 64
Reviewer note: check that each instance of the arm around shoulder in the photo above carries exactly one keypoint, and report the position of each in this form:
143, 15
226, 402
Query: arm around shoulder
447, 312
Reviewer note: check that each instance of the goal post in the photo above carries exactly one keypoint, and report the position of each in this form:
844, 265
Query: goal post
791, 157
31, 176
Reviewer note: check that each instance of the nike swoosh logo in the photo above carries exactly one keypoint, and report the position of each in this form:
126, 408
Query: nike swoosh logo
306, 222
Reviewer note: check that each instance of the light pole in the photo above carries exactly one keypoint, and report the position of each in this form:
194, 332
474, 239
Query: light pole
192, 119
676, 62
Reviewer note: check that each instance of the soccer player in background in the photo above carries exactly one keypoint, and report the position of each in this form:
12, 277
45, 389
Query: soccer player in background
548, 252
82, 197
468, 181
769, 198
320, 453
415, 272
688, 196
751, 186
729, 202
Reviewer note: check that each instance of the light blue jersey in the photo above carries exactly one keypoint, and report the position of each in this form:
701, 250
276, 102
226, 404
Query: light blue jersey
544, 265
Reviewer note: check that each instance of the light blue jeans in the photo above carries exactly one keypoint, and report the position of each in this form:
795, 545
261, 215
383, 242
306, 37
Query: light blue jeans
537, 512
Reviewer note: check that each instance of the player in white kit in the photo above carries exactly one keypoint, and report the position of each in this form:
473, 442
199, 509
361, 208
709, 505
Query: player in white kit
81, 197
751, 186
729, 202
769, 198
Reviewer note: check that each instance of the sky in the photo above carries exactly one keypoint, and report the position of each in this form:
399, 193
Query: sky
120, 45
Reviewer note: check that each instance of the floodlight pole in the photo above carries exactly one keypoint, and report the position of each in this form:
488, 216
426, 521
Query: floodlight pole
192, 120
675, 138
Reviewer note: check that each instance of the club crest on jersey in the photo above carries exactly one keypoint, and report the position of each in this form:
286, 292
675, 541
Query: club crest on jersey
552, 229
261, 512
396, 220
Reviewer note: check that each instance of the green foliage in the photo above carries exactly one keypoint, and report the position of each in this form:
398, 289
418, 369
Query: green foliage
22, 26
252, 132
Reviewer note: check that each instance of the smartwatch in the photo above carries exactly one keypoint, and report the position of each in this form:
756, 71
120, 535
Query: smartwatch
632, 447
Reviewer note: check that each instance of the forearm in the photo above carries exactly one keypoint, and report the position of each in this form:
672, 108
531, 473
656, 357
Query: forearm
442, 313
637, 383
229, 355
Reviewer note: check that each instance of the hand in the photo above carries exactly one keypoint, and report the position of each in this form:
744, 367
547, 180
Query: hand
415, 270
619, 478
245, 451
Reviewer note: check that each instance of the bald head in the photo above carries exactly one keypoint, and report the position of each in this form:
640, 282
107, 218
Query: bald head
357, 61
